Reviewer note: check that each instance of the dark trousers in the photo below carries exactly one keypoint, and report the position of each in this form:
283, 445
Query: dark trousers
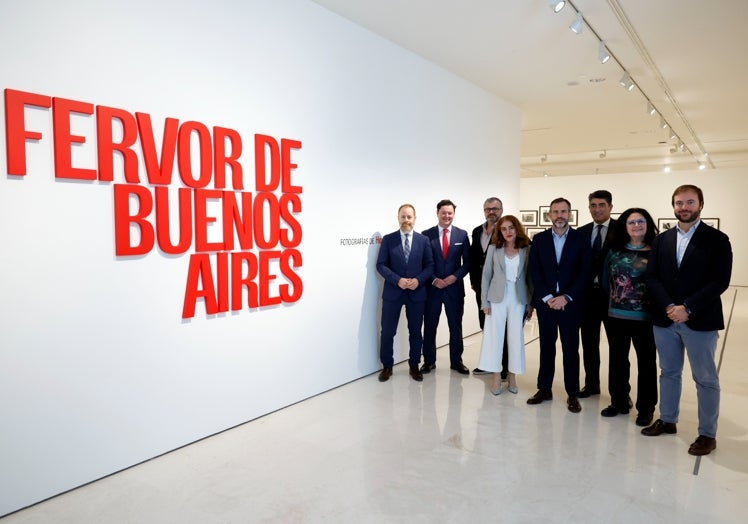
390, 316
621, 333
551, 323
482, 321
596, 313
454, 309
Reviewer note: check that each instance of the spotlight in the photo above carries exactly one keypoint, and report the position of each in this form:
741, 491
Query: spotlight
666, 169
603, 154
626, 81
556, 5
544, 158
651, 109
681, 146
602, 52
673, 136
578, 24
673, 150
702, 167
663, 124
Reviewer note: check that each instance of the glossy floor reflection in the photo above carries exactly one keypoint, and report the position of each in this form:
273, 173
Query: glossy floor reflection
444, 450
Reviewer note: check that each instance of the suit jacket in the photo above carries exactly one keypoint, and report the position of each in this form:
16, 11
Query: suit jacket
596, 269
703, 275
392, 266
457, 262
477, 257
493, 283
571, 273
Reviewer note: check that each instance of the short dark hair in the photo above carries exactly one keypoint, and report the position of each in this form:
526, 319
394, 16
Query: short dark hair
688, 187
559, 200
445, 202
601, 193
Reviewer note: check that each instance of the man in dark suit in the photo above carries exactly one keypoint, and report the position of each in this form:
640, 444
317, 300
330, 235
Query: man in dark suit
492, 209
689, 268
559, 266
450, 249
406, 263
599, 234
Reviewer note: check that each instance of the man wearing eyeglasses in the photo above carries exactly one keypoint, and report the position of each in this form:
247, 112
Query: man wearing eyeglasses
481, 238
599, 234
688, 270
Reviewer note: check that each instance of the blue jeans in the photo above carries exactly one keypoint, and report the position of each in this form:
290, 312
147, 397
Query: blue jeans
701, 347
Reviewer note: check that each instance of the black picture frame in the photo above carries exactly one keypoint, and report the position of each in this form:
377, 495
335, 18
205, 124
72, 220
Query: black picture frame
528, 217
544, 218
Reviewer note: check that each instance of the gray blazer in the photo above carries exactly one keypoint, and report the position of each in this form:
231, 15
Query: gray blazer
493, 282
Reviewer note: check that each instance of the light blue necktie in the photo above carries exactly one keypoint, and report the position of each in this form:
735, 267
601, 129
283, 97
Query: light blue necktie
406, 247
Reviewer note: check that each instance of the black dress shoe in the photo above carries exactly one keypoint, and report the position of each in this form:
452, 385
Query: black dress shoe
415, 374
702, 446
385, 374
660, 427
644, 419
612, 411
573, 404
427, 367
588, 392
479, 371
540, 396
460, 368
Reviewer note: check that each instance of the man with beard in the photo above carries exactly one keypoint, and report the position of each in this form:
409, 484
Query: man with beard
407, 264
599, 233
450, 249
689, 268
559, 266
492, 209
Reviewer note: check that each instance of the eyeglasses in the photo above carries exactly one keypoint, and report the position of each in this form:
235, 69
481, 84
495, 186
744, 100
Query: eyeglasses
636, 222
494, 209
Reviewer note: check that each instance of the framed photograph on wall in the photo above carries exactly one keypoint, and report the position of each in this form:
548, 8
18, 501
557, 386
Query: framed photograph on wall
532, 231
663, 224
528, 217
544, 218
573, 217
714, 222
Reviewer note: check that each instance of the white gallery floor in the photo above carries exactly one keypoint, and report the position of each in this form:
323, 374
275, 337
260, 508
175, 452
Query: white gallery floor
444, 450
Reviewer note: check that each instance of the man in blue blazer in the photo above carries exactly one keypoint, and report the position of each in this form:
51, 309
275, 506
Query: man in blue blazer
450, 248
406, 263
688, 270
559, 266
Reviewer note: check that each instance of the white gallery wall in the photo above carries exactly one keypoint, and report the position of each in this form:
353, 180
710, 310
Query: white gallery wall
723, 198
98, 368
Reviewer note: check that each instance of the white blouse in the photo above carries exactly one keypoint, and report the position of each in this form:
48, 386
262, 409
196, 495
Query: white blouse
512, 267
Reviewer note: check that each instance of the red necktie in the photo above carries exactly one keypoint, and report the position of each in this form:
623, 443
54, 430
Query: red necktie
445, 244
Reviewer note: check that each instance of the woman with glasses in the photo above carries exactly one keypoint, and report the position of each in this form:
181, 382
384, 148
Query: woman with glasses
630, 320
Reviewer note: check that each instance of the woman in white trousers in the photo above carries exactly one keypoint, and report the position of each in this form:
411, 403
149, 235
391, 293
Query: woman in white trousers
505, 299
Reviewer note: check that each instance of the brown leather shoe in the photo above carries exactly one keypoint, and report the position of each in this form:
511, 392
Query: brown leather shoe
660, 427
573, 404
385, 374
415, 374
702, 446
540, 396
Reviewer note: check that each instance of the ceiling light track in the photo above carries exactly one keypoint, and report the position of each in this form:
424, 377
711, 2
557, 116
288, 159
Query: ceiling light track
627, 82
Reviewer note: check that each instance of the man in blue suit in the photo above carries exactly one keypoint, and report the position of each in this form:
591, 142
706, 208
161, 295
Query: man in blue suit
406, 263
559, 266
451, 251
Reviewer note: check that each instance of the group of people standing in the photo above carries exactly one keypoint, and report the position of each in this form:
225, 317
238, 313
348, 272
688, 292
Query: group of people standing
659, 292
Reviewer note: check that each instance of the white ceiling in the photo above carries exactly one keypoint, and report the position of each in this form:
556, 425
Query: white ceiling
686, 56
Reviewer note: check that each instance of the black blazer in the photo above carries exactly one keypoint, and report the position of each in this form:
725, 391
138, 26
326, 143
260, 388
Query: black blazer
477, 257
596, 269
703, 275
571, 272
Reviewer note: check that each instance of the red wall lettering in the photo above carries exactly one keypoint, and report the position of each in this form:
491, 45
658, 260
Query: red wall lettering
262, 224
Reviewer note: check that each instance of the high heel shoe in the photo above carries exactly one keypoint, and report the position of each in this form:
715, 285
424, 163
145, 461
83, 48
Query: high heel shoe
513, 389
496, 392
